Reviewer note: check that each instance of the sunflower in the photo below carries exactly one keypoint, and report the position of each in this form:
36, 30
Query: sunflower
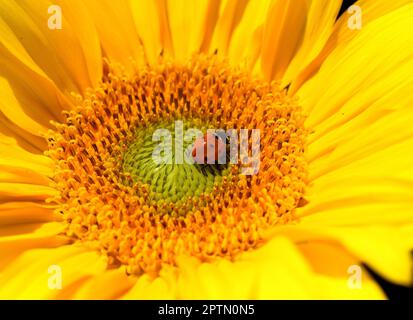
85, 213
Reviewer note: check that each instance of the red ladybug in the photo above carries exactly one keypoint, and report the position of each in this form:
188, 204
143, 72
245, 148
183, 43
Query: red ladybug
212, 145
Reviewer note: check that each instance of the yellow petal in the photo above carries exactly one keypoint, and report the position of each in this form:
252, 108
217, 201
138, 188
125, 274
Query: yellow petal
20, 166
335, 269
283, 34
147, 288
116, 28
362, 131
152, 26
74, 69
22, 138
321, 18
364, 190
30, 99
246, 41
24, 176
45, 236
275, 271
191, 23
342, 34
25, 192
381, 247
370, 176
14, 105
351, 133
230, 15
28, 277
354, 67
12, 156
109, 285
12, 174
24, 212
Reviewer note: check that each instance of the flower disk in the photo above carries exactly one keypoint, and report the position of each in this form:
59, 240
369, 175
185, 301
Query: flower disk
142, 215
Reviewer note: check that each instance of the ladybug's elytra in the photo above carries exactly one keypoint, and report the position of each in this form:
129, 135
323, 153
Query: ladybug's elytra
212, 145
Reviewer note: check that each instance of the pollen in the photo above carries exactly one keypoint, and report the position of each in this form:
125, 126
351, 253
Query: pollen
113, 197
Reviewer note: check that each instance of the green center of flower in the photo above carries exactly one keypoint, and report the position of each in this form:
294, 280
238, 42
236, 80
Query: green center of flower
161, 157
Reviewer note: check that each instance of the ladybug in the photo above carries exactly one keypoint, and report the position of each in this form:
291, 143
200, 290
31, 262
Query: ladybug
212, 145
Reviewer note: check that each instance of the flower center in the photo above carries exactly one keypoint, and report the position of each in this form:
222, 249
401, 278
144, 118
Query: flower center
141, 213
173, 180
